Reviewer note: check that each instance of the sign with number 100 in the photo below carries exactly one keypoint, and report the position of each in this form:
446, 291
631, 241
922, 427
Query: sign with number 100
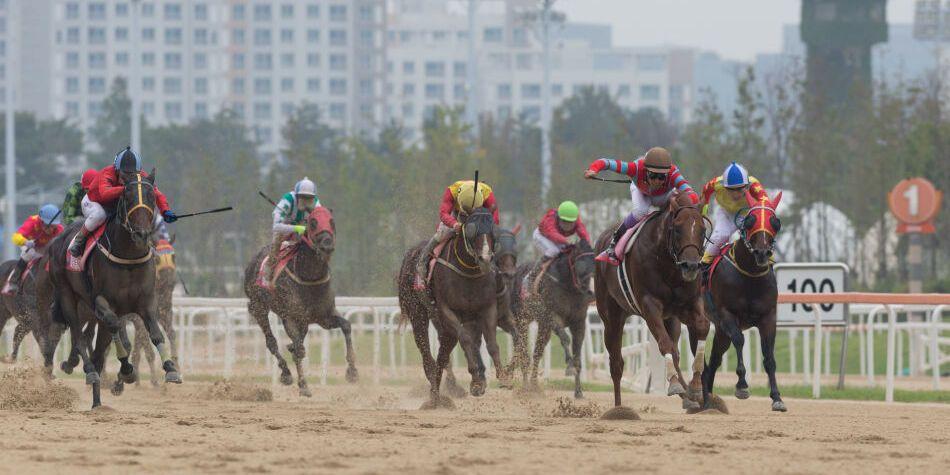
810, 278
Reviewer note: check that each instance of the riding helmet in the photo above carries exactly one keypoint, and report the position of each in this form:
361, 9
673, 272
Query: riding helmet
567, 211
658, 160
305, 187
735, 176
49, 214
128, 161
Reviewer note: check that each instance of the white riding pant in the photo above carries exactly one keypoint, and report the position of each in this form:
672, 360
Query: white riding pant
28, 253
94, 212
723, 228
642, 202
546, 246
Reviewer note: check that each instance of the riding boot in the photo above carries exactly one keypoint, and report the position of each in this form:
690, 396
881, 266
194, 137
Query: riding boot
610, 255
705, 264
271, 265
14, 281
542, 269
79, 243
422, 265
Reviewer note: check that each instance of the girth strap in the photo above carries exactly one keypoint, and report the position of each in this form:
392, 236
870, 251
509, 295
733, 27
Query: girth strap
126, 262
459, 271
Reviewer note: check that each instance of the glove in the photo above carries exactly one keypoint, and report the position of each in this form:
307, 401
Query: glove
169, 216
299, 229
29, 244
706, 209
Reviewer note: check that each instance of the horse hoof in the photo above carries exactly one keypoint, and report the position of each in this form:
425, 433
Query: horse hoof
569, 371
130, 377
305, 392
286, 379
675, 388
92, 378
695, 394
477, 388
118, 388
578, 394
442, 402
742, 393
173, 377
66, 367
690, 405
352, 375
779, 406
9, 359
620, 413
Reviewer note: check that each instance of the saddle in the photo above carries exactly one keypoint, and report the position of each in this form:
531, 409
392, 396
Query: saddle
287, 252
166, 256
435, 257
626, 241
715, 263
78, 264
23, 276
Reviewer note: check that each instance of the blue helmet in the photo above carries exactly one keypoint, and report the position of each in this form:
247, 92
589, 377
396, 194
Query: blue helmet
735, 176
128, 161
49, 214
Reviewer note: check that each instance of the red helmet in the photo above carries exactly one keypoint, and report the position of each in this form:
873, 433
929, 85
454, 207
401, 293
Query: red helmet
88, 177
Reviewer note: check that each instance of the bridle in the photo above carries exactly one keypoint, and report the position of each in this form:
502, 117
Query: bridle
671, 235
140, 203
469, 250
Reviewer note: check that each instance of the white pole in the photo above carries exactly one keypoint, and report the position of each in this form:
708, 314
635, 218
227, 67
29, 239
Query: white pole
891, 333
10, 221
471, 107
806, 356
377, 342
935, 318
135, 81
324, 355
228, 344
816, 369
546, 102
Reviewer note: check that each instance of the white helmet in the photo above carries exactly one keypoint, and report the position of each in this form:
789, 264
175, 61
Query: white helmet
305, 187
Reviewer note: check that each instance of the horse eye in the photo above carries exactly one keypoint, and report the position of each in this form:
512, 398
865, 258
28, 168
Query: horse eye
776, 223
748, 222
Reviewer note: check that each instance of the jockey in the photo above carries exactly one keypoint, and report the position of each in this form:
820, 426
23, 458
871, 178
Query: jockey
32, 237
655, 178
730, 190
290, 212
551, 236
72, 205
459, 199
106, 189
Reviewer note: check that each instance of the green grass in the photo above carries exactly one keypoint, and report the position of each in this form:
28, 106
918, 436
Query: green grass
856, 393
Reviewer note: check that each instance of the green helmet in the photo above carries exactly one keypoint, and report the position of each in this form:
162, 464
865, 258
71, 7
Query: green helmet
568, 211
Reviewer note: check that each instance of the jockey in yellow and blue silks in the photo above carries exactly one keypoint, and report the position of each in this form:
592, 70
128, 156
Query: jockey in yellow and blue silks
729, 190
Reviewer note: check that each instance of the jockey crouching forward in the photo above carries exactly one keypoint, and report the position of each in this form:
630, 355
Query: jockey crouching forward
654, 179
729, 190
289, 214
459, 199
32, 237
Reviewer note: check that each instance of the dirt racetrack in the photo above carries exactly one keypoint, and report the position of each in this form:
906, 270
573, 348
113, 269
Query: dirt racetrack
367, 429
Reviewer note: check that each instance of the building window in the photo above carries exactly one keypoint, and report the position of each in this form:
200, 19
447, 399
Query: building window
435, 69
435, 91
201, 110
338, 111
504, 91
237, 36
649, 92
557, 90
531, 113
171, 86
201, 12
237, 12
201, 36
262, 86
173, 36
287, 85
72, 85
313, 60
651, 62
262, 12
263, 134
337, 12
97, 60
367, 13
121, 34
459, 91
337, 62
173, 110
72, 36
97, 11
262, 111
286, 36
338, 87
72, 60
148, 59
148, 84
95, 109
408, 89
201, 86
148, 108
172, 11
492, 35
97, 36
313, 85
408, 67
262, 37
148, 10
338, 37
530, 91
313, 11
201, 60
263, 61
237, 61
97, 85
172, 61
458, 69
237, 86
72, 11
122, 9
313, 36
122, 59
367, 37
287, 11
72, 109
287, 60
148, 34
286, 109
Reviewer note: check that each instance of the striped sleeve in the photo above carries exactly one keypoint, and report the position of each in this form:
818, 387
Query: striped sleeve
617, 166
757, 190
679, 183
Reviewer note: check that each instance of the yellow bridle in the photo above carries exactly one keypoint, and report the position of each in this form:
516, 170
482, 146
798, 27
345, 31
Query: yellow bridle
140, 200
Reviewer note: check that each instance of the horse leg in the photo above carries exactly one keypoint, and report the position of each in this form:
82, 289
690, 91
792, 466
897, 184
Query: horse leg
565, 338
720, 346
578, 329
698, 332
144, 346
730, 327
448, 338
297, 331
150, 317
472, 331
80, 342
653, 315
165, 320
519, 357
674, 329
420, 330
544, 336
18, 333
452, 323
112, 325
767, 331
259, 311
103, 339
55, 333
4, 317
489, 332
343, 324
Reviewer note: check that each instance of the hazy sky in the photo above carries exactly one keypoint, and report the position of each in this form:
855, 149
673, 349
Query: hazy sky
736, 29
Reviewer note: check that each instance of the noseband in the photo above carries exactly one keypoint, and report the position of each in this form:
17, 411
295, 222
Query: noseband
139, 202
747, 238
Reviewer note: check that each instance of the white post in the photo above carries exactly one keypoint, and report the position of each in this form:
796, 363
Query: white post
135, 81
792, 352
391, 334
816, 370
546, 100
324, 356
935, 320
10, 221
806, 356
891, 334
870, 346
862, 352
827, 355
228, 344
377, 342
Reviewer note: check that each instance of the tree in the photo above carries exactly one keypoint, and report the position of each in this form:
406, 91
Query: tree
112, 130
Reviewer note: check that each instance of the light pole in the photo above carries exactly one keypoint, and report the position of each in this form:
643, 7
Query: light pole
471, 107
135, 82
9, 221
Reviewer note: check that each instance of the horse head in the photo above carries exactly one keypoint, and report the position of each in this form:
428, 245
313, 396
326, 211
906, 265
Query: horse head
506, 250
580, 259
760, 226
686, 234
135, 209
478, 233
321, 231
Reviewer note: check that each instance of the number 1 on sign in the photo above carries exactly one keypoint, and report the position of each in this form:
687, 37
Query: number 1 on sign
913, 200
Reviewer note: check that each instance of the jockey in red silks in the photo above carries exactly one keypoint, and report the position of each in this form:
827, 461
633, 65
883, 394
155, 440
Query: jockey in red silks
105, 191
655, 178
32, 237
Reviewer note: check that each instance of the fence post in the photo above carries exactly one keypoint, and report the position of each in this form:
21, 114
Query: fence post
228, 344
392, 326
324, 355
891, 334
792, 352
377, 342
935, 319
806, 356
816, 368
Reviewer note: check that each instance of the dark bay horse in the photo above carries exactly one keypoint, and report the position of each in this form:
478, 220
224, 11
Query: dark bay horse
561, 303
464, 289
662, 268
119, 279
302, 295
22, 306
165, 286
743, 294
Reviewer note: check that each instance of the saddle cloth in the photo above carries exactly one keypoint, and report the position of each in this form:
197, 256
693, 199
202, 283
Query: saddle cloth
287, 252
78, 264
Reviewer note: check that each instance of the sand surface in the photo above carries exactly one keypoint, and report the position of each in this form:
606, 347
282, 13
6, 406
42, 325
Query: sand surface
369, 429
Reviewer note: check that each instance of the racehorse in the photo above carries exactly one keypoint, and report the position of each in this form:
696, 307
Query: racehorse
167, 277
22, 306
561, 302
743, 295
301, 294
658, 281
118, 279
465, 303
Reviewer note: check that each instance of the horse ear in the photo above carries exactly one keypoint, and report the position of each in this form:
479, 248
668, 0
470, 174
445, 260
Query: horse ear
517, 229
750, 200
775, 201
151, 177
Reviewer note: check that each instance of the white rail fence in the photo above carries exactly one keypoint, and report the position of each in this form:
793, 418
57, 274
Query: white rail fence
217, 337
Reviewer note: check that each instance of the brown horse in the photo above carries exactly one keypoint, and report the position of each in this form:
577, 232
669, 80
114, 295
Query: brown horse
22, 306
662, 268
119, 279
302, 295
465, 307
742, 295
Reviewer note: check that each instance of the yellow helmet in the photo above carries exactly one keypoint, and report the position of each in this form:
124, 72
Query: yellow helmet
470, 198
